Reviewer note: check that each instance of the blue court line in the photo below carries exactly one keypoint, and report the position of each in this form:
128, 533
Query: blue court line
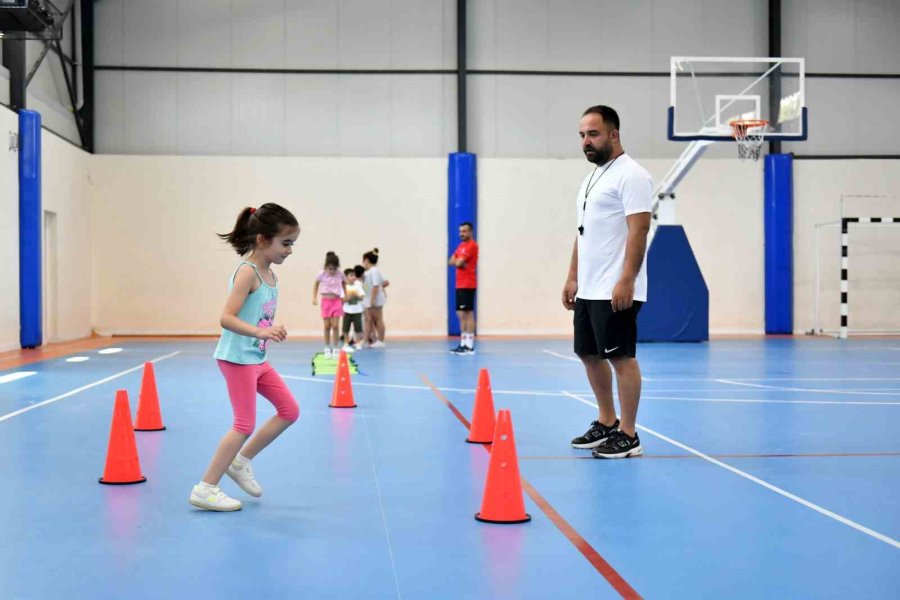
82, 388
765, 484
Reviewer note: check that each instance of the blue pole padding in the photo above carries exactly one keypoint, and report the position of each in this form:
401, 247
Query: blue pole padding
30, 217
462, 206
779, 206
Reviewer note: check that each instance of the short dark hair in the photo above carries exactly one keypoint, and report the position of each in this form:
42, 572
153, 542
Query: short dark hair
359, 271
608, 114
467, 224
347, 271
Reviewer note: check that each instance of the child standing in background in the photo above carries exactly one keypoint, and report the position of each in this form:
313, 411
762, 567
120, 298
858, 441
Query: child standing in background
332, 285
268, 235
353, 308
374, 301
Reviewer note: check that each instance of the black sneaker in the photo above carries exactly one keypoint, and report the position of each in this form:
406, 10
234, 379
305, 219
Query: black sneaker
459, 350
594, 436
469, 351
619, 445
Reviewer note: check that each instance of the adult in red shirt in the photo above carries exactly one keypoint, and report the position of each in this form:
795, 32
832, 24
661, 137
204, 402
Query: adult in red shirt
465, 259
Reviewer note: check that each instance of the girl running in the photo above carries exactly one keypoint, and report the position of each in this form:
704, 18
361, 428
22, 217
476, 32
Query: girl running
262, 236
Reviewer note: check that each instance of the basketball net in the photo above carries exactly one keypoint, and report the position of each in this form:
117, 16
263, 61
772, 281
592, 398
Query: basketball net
749, 135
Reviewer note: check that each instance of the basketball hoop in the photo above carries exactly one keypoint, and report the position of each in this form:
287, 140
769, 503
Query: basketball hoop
749, 135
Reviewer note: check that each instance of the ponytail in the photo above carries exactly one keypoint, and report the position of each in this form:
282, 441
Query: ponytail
371, 256
332, 260
267, 220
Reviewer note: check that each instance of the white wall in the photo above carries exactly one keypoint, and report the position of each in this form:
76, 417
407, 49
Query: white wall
874, 261
159, 268
527, 223
9, 236
65, 191
63, 176
155, 265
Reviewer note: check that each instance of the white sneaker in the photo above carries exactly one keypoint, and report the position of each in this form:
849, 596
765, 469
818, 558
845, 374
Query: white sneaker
243, 476
213, 498
326, 352
348, 349
378, 344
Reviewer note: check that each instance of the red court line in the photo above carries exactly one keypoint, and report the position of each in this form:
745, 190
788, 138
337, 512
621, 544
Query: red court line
652, 456
582, 545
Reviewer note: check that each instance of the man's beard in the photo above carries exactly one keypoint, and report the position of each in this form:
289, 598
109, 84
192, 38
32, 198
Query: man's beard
601, 156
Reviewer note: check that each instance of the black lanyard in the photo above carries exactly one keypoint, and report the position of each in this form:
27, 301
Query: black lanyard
587, 190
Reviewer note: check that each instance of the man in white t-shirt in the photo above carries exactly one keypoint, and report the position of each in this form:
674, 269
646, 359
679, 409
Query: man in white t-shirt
607, 280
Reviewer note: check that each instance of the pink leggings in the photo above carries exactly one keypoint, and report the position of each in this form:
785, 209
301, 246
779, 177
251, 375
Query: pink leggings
244, 381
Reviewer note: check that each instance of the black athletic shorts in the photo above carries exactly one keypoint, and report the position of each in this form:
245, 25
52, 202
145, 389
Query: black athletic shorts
352, 319
599, 330
465, 298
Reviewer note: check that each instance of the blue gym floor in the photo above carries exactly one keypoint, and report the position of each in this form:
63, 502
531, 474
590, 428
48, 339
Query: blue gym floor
771, 469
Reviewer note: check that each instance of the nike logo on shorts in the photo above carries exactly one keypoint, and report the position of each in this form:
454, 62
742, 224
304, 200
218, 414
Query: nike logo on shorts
610, 350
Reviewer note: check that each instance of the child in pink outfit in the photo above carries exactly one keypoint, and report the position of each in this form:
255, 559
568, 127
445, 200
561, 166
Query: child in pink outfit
332, 285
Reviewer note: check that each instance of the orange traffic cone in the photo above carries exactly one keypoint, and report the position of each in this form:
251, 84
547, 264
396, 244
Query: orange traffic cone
483, 423
122, 463
503, 501
148, 417
342, 393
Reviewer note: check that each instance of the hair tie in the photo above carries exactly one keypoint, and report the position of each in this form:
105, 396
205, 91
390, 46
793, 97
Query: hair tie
252, 210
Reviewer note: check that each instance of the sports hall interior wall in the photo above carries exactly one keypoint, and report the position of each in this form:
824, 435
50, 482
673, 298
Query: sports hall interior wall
65, 194
362, 157
9, 239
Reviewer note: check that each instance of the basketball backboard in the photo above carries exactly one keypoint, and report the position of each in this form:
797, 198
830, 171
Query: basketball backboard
707, 93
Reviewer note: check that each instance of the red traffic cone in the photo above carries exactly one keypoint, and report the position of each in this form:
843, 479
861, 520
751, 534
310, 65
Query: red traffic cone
122, 463
503, 501
342, 393
148, 416
483, 422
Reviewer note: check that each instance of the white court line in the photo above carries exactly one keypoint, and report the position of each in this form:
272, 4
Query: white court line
878, 536
82, 388
735, 380
422, 387
578, 360
387, 533
793, 389
558, 394
558, 355
683, 379
665, 389
767, 401
16, 376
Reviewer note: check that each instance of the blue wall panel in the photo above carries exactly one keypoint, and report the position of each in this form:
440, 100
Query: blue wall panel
462, 205
677, 308
30, 218
779, 249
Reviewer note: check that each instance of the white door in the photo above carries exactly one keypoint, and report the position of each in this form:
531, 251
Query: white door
50, 278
